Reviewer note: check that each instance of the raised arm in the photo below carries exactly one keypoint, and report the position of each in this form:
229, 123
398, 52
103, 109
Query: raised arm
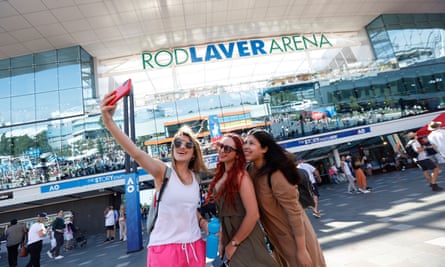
154, 166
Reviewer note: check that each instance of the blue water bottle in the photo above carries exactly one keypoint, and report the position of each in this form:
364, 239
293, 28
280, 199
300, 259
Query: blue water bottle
212, 239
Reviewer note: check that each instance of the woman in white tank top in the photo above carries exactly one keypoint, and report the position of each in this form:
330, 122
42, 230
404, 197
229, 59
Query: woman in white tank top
176, 236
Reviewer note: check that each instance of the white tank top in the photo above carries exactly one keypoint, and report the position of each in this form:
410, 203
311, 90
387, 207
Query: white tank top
177, 221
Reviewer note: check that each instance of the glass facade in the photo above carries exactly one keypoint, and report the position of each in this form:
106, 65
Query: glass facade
39, 91
45, 86
51, 126
406, 39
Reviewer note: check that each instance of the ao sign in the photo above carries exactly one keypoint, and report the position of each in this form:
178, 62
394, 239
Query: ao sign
236, 49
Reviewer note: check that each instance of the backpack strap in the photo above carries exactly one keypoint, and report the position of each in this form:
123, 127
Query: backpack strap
167, 174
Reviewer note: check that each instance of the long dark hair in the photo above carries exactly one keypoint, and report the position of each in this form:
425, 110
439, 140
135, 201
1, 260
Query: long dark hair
231, 185
276, 157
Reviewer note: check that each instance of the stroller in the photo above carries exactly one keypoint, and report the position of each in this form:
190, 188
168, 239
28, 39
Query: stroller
79, 239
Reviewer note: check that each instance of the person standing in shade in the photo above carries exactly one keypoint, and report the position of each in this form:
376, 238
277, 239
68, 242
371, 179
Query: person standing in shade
312, 172
58, 228
35, 236
122, 224
422, 160
69, 232
176, 238
243, 241
109, 223
116, 221
15, 235
284, 219
344, 165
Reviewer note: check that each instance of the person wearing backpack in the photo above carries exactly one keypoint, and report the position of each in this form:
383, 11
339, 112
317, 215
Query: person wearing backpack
176, 238
289, 230
312, 172
422, 161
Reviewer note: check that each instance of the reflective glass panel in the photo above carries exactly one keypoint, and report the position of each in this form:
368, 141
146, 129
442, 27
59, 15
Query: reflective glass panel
5, 64
22, 61
46, 78
47, 105
71, 102
44, 58
5, 111
69, 75
22, 81
68, 54
23, 109
5, 84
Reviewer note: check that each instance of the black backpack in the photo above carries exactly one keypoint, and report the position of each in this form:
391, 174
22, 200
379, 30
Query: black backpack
304, 188
410, 150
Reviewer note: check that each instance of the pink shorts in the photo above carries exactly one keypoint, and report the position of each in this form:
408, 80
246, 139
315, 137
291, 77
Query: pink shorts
177, 255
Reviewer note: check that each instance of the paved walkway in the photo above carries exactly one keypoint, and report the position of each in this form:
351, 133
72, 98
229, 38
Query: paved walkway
400, 224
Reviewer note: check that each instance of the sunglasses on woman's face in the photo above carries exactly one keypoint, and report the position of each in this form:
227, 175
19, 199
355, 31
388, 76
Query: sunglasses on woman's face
178, 143
225, 148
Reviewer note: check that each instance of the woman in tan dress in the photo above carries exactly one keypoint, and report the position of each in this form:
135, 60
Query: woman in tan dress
285, 221
243, 242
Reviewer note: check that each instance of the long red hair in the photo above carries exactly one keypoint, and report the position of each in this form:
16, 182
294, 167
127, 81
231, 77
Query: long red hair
234, 176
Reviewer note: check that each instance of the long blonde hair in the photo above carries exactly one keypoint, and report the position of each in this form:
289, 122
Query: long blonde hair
196, 164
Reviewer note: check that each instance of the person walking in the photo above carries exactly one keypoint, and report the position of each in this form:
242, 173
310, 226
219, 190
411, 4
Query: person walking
312, 172
176, 237
360, 176
344, 165
437, 136
284, 219
243, 242
58, 228
424, 163
35, 236
15, 235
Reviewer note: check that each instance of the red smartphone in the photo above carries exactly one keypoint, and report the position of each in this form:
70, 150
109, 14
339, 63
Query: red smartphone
120, 92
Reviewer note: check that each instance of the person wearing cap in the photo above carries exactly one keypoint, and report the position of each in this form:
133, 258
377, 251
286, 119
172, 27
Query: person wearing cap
15, 234
312, 172
437, 137
35, 236
344, 166
424, 163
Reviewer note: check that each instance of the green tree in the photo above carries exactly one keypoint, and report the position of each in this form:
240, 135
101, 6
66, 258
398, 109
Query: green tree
4, 145
353, 103
21, 144
41, 141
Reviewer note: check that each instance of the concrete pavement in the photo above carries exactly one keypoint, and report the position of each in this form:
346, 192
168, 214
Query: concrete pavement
401, 223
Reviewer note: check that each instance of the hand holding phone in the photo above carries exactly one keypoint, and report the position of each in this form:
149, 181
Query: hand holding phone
120, 92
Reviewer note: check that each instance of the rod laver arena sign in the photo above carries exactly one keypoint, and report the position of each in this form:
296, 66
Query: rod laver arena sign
236, 49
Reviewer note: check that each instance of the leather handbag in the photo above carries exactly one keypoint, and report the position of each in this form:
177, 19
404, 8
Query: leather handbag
153, 212
23, 250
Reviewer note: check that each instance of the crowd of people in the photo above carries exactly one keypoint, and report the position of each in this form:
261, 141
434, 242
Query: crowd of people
252, 193
17, 174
